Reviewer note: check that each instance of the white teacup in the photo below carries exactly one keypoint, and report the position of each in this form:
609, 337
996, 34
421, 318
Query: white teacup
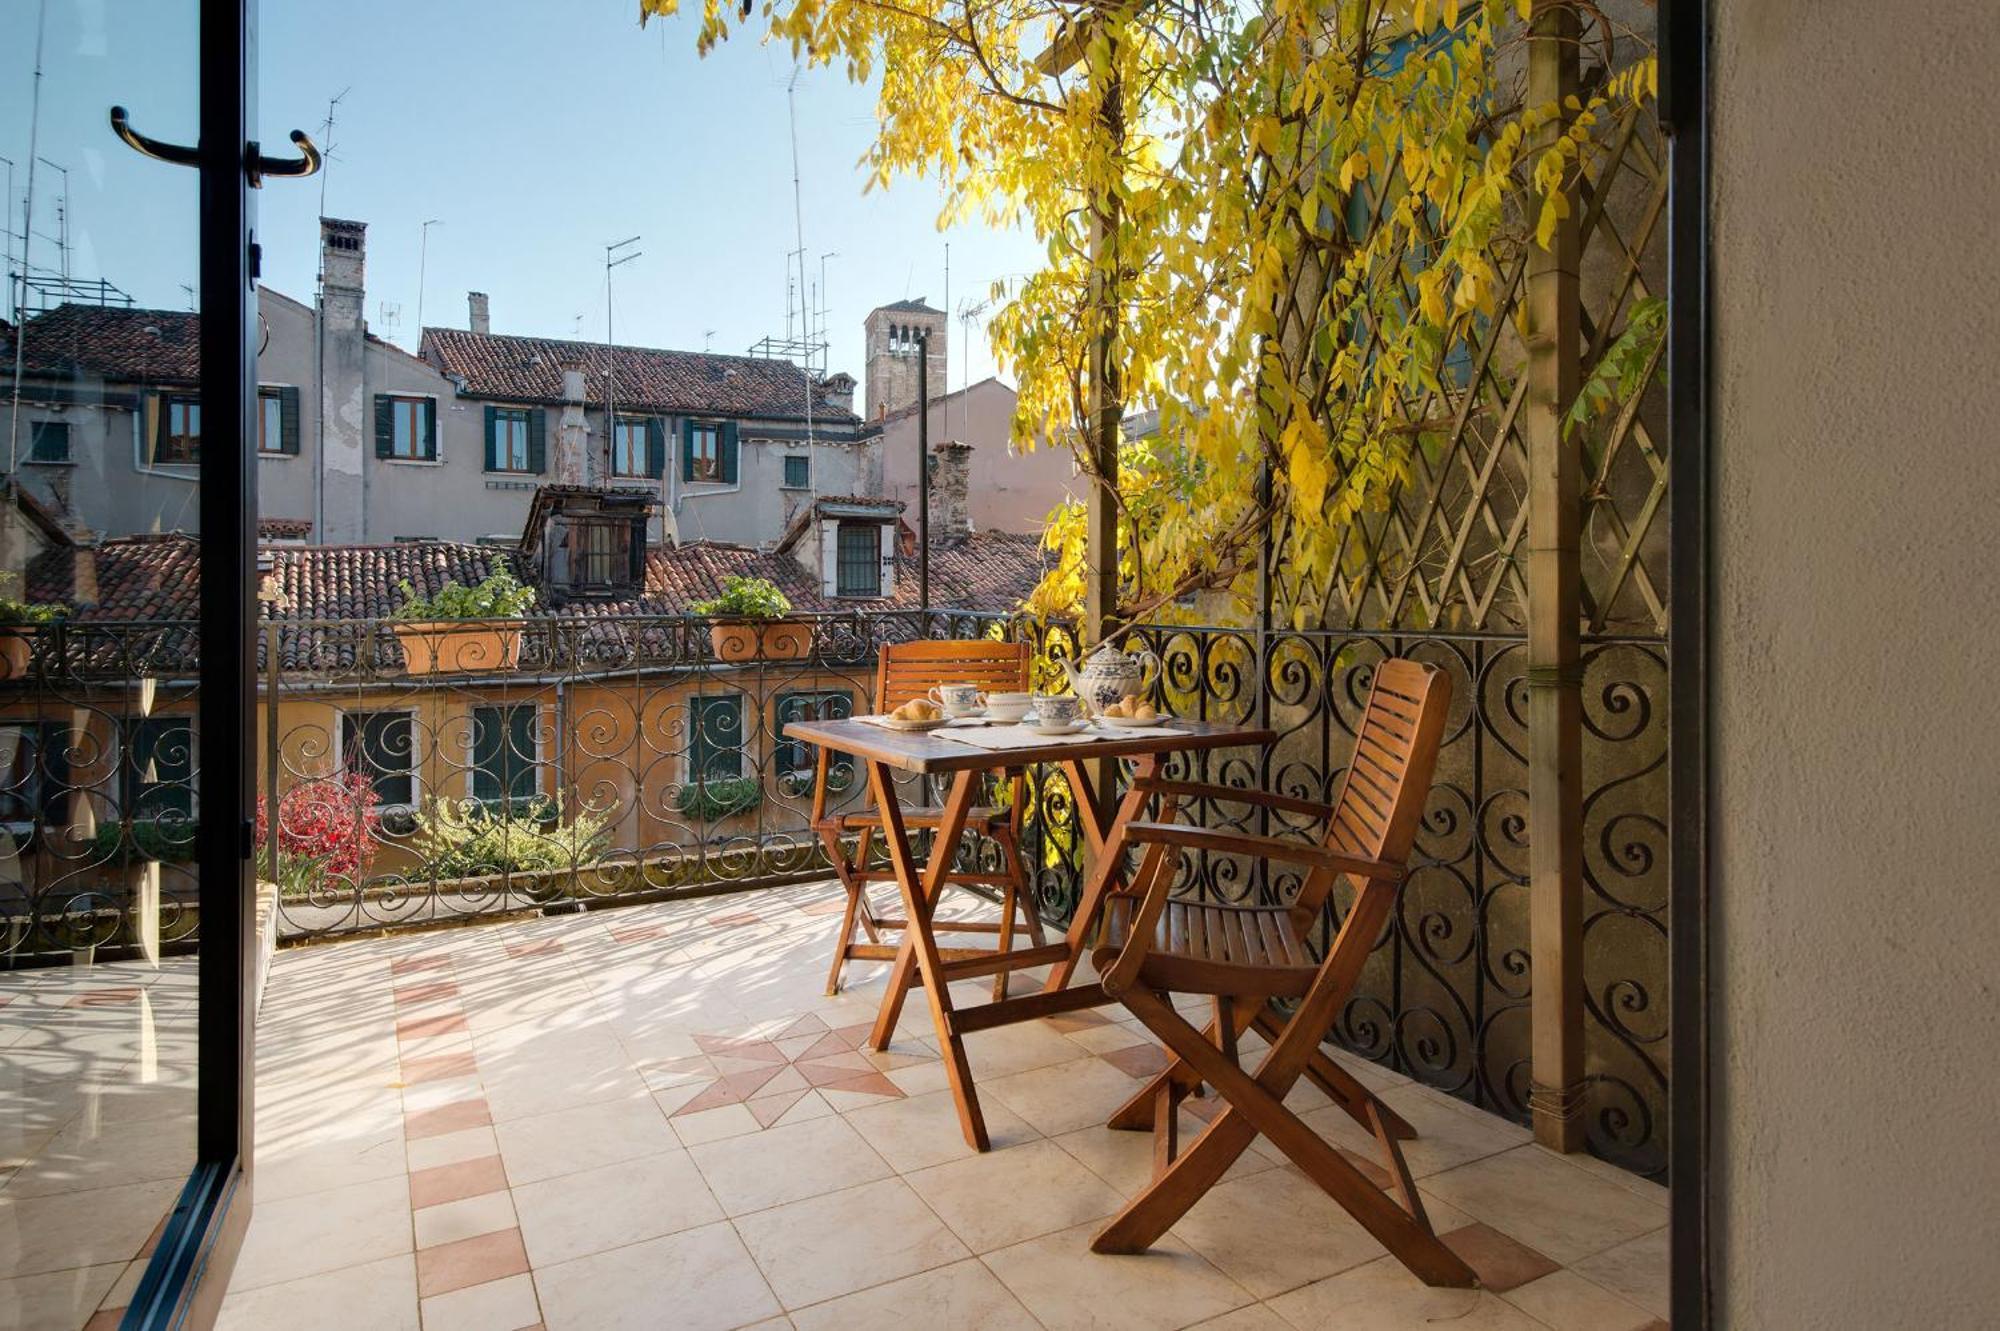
1058, 711
959, 699
1008, 706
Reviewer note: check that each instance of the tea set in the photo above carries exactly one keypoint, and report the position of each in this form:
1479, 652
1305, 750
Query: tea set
1112, 686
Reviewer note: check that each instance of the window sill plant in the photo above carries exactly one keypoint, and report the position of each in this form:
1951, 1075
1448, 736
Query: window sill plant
20, 622
749, 622
464, 630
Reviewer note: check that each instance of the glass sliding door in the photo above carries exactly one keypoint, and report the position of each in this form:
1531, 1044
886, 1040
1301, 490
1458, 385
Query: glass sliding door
127, 392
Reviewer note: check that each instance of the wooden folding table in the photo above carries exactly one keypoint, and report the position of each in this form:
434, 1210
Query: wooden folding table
919, 960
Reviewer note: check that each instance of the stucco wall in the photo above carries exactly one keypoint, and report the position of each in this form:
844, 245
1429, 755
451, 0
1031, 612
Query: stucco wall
1008, 491
1856, 1002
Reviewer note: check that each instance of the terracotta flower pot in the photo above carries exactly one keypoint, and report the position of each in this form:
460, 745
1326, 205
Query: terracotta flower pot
768, 639
15, 651
459, 647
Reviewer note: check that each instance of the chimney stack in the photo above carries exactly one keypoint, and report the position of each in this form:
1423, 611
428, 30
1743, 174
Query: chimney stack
479, 316
572, 432
343, 377
951, 506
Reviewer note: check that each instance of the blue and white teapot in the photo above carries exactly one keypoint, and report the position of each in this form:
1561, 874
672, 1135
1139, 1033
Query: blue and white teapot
1110, 675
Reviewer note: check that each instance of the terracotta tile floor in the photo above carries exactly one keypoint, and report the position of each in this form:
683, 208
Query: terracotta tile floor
655, 1117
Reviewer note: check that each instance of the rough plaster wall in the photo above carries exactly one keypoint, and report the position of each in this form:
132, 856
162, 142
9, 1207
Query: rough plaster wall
1857, 943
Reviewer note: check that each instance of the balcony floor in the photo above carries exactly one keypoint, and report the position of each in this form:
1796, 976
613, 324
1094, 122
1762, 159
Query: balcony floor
654, 1117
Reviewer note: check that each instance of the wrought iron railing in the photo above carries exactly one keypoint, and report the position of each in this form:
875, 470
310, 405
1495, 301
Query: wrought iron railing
620, 760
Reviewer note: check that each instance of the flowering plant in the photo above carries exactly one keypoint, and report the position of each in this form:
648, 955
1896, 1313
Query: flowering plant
325, 826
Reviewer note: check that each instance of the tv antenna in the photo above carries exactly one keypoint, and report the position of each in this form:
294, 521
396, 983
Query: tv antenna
423, 257
326, 145
613, 259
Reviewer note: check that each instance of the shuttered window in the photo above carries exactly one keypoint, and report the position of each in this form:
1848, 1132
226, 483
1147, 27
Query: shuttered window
858, 569
503, 755
511, 439
708, 451
48, 441
278, 421
382, 745
406, 428
639, 448
715, 739
798, 471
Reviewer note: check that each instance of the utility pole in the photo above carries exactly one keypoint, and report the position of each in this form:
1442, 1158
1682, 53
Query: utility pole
924, 472
423, 259
610, 357
61, 237
7, 214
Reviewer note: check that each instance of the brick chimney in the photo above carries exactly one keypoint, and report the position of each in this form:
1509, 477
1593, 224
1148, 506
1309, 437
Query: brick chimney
83, 577
572, 461
343, 411
479, 317
951, 505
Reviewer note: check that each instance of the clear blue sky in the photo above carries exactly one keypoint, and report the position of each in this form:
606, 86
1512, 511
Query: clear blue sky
536, 131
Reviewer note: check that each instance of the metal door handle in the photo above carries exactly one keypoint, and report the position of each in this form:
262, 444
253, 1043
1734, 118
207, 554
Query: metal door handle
256, 165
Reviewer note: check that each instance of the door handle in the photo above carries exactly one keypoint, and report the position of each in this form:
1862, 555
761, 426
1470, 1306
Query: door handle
255, 164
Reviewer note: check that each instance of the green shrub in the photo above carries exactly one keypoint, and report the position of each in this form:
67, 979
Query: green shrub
746, 598
14, 611
470, 839
169, 842
713, 800
500, 596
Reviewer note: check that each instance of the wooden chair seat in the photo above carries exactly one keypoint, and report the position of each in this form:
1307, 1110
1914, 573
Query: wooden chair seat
1200, 948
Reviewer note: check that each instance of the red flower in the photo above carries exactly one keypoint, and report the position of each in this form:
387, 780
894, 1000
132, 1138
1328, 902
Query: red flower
331, 822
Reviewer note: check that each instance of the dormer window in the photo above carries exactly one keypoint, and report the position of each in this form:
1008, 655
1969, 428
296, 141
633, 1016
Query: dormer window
859, 559
600, 553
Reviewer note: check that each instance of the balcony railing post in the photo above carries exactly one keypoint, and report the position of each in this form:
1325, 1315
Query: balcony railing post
1555, 685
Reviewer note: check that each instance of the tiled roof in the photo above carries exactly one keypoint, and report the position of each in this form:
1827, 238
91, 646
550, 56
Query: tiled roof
103, 342
917, 306
158, 578
529, 369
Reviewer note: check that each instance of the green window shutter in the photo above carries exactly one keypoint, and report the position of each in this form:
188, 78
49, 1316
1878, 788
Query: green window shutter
538, 447
385, 427
656, 447
726, 461
492, 438
687, 450
430, 429
288, 421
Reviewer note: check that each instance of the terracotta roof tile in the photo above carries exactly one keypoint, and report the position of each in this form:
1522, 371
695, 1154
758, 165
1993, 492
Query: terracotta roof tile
103, 342
528, 369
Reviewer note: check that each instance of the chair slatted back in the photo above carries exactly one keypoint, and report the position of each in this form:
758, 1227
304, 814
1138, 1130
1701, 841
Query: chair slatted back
912, 669
1388, 781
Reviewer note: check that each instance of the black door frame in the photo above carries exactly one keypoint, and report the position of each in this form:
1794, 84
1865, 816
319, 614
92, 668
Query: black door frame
189, 1273
1684, 110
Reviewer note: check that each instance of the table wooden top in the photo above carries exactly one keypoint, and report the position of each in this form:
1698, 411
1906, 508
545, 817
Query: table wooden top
930, 751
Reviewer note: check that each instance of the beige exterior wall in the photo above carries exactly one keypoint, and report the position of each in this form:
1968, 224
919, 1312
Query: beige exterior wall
1856, 952
1009, 491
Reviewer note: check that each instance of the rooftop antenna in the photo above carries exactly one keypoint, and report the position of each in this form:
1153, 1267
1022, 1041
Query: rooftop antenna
7, 221
423, 257
576, 325
969, 312
188, 287
799, 236
27, 218
707, 340
391, 315
61, 238
610, 362
326, 144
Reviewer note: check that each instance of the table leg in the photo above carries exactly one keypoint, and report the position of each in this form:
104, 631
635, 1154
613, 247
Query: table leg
919, 950
1107, 847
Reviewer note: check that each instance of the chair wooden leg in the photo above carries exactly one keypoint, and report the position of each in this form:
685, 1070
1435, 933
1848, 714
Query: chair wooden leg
1136, 1114
1006, 939
1256, 1105
1340, 1085
845, 940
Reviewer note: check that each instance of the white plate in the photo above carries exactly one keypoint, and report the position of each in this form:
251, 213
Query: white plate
1070, 729
893, 724
1130, 720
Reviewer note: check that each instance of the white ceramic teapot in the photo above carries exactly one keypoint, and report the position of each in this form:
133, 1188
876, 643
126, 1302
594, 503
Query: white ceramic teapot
1110, 674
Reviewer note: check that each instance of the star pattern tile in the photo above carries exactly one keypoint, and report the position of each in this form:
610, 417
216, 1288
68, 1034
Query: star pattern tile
770, 1073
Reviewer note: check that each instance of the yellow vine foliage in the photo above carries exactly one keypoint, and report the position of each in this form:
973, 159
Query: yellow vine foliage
1307, 211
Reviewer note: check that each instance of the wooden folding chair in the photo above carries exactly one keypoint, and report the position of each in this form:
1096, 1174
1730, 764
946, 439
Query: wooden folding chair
1248, 958
911, 670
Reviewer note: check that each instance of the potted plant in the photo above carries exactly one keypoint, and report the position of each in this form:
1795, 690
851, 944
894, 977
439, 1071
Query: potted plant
464, 629
750, 622
18, 620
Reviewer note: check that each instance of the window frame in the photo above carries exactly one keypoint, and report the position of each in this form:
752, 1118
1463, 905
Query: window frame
36, 429
711, 474
805, 465
25, 795
416, 408
841, 562
640, 456
696, 773
189, 405
133, 793
503, 418
270, 434
794, 758
532, 761
352, 755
